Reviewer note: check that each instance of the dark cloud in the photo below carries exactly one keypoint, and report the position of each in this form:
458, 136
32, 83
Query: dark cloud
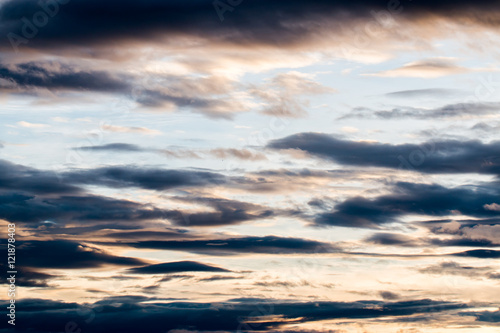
66, 255
118, 147
451, 156
35, 304
470, 242
65, 209
27, 199
391, 239
409, 198
18, 178
152, 91
81, 22
227, 212
214, 108
389, 295
148, 178
130, 314
50, 228
268, 244
30, 278
176, 267
52, 76
481, 254
442, 226
484, 316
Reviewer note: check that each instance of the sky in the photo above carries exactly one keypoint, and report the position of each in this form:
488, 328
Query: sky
236, 166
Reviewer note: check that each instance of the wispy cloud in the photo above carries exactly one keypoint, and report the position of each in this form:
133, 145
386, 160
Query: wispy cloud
427, 68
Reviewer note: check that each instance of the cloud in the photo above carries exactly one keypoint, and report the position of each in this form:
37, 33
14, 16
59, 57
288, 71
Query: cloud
69, 254
151, 235
116, 147
155, 19
242, 154
149, 90
180, 153
486, 233
486, 127
18, 178
176, 267
389, 295
481, 254
232, 246
220, 278
391, 239
494, 206
35, 196
407, 199
221, 153
147, 178
91, 209
281, 284
474, 232
54, 76
126, 129
282, 94
30, 125
129, 314
31, 278
465, 241
484, 316
428, 68
431, 92
226, 212
446, 156
213, 108
68, 209
451, 111
454, 268
466, 238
